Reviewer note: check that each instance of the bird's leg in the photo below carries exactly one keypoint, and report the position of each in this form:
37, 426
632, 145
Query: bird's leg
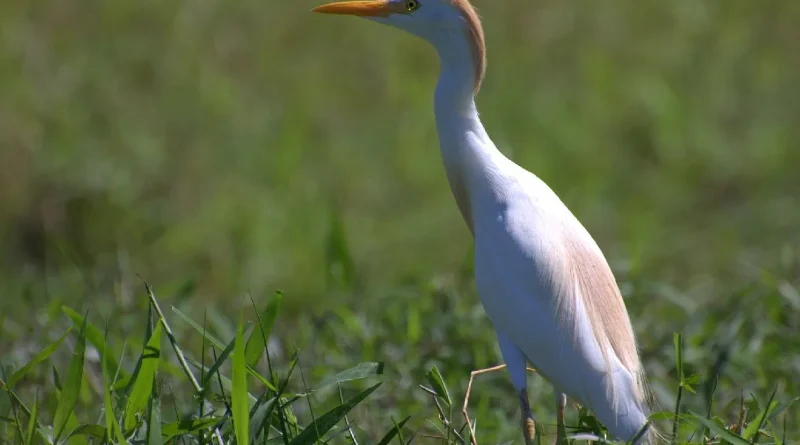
528, 424
561, 403
517, 364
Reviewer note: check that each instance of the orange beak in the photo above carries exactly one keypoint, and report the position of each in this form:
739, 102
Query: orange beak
366, 8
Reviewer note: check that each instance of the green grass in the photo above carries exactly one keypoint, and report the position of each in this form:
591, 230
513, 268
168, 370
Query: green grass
228, 149
246, 398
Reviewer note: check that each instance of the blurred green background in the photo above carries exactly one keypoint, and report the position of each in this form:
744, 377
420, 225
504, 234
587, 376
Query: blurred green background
219, 148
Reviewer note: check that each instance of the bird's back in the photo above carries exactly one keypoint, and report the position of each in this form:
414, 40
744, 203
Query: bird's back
546, 285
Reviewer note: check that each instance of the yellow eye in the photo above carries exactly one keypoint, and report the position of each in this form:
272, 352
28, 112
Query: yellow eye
412, 5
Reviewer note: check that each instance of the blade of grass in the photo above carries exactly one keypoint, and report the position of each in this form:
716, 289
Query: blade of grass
72, 385
96, 431
216, 342
780, 409
171, 430
203, 396
112, 427
726, 435
261, 379
154, 419
34, 418
325, 422
360, 371
143, 385
15, 420
57, 379
400, 433
45, 434
239, 402
202, 331
172, 340
259, 419
393, 432
437, 384
96, 338
678, 342
14, 399
257, 342
218, 363
752, 430
352, 433
274, 384
286, 417
783, 436
43, 355
308, 400
225, 382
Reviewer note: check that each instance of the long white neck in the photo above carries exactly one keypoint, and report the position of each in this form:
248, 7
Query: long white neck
467, 151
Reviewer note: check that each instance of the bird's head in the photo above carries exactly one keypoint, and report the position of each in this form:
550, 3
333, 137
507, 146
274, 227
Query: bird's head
440, 22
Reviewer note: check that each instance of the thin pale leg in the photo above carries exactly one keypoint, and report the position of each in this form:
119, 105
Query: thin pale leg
516, 364
561, 403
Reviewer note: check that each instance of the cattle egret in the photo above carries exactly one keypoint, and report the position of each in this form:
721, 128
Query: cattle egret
542, 279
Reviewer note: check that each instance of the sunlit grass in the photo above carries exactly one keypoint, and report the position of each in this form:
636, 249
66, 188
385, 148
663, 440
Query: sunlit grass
231, 401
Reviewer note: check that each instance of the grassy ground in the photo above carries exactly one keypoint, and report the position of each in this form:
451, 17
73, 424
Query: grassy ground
220, 149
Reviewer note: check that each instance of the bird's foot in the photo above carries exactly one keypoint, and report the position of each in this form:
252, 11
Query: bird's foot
529, 431
528, 424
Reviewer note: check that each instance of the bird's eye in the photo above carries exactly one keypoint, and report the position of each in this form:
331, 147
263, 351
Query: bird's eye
412, 5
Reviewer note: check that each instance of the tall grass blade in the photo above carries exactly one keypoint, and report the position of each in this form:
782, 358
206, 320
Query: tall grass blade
393, 432
259, 421
178, 352
212, 371
202, 331
15, 420
154, 419
143, 385
97, 339
112, 427
171, 430
225, 382
43, 355
57, 379
325, 422
360, 371
239, 400
678, 343
218, 343
751, 432
72, 386
95, 431
257, 342
719, 430
783, 407
34, 418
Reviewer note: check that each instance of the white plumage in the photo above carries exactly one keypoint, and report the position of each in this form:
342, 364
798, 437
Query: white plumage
542, 279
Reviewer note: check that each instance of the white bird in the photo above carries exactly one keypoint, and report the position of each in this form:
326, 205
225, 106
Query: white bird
543, 281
